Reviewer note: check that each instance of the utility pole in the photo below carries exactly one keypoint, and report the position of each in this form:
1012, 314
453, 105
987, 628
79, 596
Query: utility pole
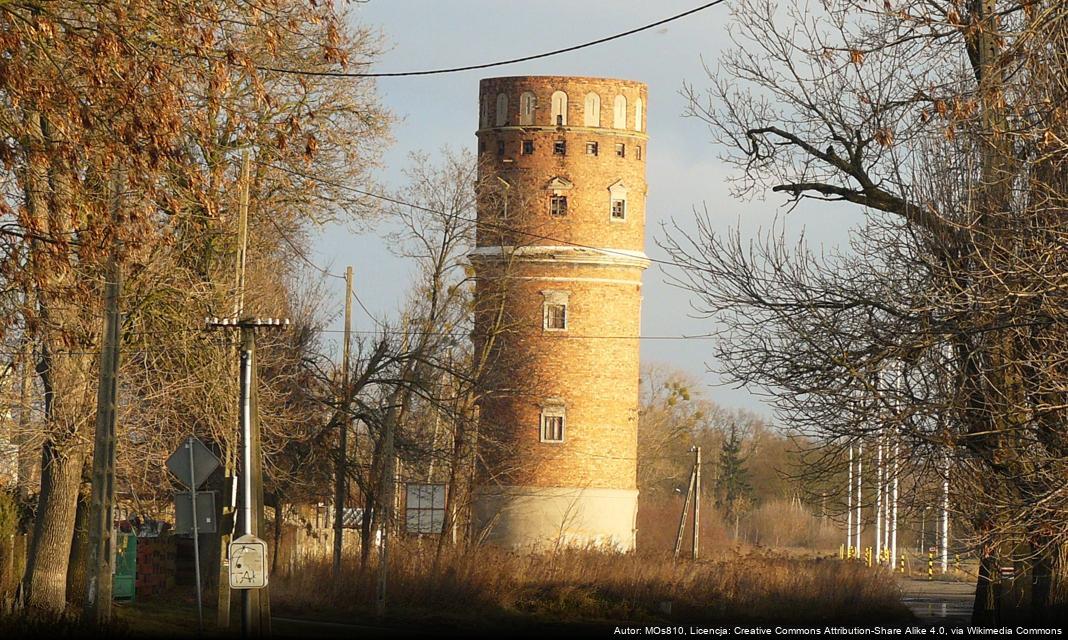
696, 501
101, 520
893, 514
849, 506
945, 518
879, 523
340, 489
685, 511
229, 506
255, 604
860, 472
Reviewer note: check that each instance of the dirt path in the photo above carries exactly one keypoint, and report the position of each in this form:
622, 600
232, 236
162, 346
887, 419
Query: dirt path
938, 602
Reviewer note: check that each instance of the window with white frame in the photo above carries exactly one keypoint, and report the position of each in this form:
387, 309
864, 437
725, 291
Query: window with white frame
592, 111
559, 108
424, 508
553, 418
554, 310
558, 188
617, 201
619, 113
502, 109
557, 206
527, 103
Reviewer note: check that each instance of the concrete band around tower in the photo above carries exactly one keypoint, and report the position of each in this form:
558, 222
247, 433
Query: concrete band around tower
558, 264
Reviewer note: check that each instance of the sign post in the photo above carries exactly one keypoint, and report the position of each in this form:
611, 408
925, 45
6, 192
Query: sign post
192, 475
196, 534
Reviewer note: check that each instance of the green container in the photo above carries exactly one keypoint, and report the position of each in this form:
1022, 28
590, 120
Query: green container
124, 583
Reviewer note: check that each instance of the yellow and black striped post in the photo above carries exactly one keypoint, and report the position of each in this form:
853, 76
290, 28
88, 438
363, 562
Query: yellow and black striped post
930, 565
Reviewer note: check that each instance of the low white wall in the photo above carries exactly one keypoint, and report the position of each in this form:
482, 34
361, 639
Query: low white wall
542, 517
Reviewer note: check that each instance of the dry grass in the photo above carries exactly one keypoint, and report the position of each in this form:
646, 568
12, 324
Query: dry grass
778, 524
733, 583
577, 585
781, 523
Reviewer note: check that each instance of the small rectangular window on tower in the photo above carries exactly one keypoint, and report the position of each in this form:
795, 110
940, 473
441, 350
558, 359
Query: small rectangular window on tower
591, 148
638, 152
528, 147
555, 316
558, 206
619, 209
559, 148
621, 150
552, 425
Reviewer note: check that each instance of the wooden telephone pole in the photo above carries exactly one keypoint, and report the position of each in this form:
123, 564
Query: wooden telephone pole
693, 490
102, 515
340, 486
696, 501
226, 526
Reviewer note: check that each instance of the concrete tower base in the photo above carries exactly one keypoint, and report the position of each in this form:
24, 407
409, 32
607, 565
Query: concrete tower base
538, 518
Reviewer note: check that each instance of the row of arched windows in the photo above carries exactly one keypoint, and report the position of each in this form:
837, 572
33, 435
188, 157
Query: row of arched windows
528, 102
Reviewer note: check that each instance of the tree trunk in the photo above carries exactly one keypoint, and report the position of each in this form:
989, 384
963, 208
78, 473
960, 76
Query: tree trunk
46, 566
365, 532
985, 597
452, 490
278, 524
79, 551
28, 455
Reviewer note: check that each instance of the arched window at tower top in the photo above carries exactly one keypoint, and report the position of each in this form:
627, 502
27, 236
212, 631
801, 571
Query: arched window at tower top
592, 110
619, 113
502, 109
527, 102
638, 115
559, 108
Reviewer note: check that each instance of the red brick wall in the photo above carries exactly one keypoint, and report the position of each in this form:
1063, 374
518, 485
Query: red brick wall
588, 220
593, 365
155, 566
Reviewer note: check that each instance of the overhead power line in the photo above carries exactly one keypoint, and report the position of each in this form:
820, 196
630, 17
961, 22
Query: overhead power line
487, 65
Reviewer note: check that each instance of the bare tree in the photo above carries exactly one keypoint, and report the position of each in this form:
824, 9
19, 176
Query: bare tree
942, 324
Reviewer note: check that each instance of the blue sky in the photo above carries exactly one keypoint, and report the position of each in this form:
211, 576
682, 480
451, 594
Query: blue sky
683, 166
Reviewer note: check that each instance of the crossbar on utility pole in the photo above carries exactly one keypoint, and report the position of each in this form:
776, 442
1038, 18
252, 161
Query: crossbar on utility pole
255, 619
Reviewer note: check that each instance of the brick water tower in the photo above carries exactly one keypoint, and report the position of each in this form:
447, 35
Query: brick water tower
559, 264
